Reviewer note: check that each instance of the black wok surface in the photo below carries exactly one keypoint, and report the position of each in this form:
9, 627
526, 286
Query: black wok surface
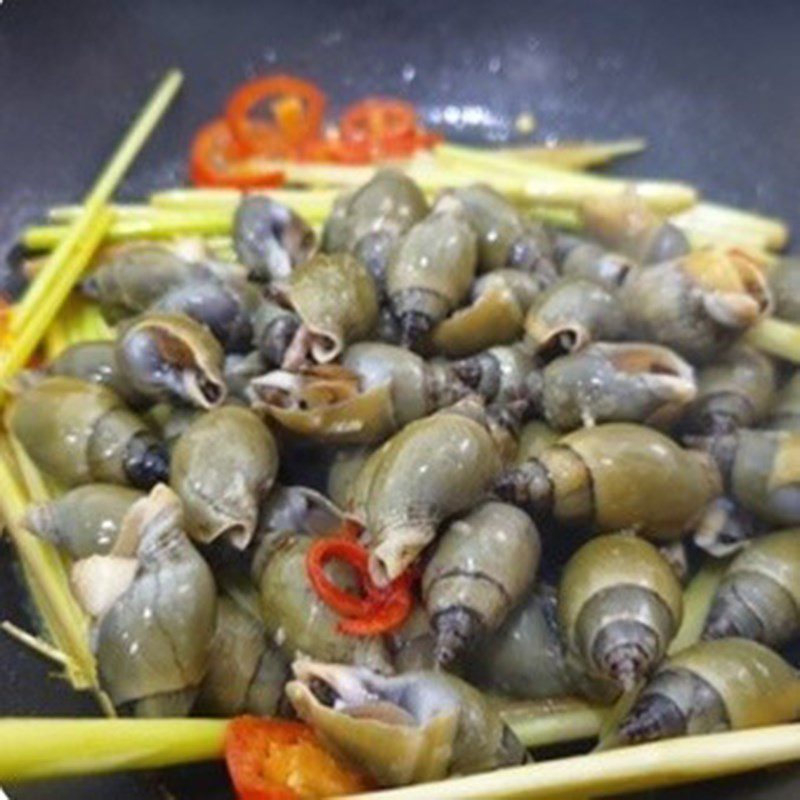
712, 84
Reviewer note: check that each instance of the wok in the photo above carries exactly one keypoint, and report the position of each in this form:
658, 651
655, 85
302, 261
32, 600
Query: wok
713, 85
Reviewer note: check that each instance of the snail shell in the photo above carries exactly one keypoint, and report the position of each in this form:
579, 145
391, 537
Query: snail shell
80, 432
420, 726
730, 684
759, 597
625, 223
616, 476
343, 471
571, 314
296, 618
499, 375
222, 465
413, 644
736, 391
784, 282
152, 645
269, 238
95, 362
636, 382
431, 273
578, 258
246, 672
84, 521
534, 438
433, 468
239, 372
482, 566
274, 331
698, 304
619, 606
172, 357
336, 299
785, 414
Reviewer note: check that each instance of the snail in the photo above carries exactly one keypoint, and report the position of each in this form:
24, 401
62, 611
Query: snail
295, 617
129, 278
619, 606
79, 432
736, 391
534, 438
222, 465
430, 273
336, 300
374, 218
579, 258
269, 238
335, 236
505, 239
759, 597
245, 671
239, 371
697, 304
274, 330
625, 223
297, 509
413, 645
226, 309
377, 389
433, 468
762, 472
606, 382
525, 657
784, 282
616, 476
172, 357
572, 313
94, 361
152, 644
420, 726
343, 470
482, 566
84, 521
785, 413
499, 375
730, 684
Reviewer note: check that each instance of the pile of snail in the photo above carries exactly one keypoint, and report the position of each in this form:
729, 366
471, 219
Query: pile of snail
540, 425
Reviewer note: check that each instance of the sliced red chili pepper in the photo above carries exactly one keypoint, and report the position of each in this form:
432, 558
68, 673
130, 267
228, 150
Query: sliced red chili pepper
271, 759
350, 552
217, 160
390, 610
387, 125
295, 110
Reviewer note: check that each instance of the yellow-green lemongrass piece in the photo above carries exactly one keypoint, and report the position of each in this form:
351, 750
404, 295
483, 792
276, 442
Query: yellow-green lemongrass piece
550, 185
24, 341
697, 598
94, 205
776, 337
41, 749
629, 769
575, 155
715, 216
45, 572
65, 214
79, 320
557, 720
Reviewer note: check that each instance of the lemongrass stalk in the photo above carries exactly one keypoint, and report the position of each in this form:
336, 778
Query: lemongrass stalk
94, 204
24, 342
564, 218
575, 155
774, 231
697, 599
777, 337
41, 749
46, 575
646, 766
165, 226
549, 185
35, 643
65, 214
558, 720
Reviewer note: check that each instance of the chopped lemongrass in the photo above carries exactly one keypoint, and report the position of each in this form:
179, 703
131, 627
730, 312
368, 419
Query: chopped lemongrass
45, 572
35, 643
542, 723
777, 337
80, 320
697, 599
41, 749
64, 214
24, 342
714, 216
575, 155
629, 769
553, 186
59, 267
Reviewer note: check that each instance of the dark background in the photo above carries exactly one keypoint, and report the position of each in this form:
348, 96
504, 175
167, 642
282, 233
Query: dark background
714, 85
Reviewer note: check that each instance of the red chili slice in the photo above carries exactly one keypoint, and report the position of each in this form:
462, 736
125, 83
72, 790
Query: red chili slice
386, 125
350, 552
